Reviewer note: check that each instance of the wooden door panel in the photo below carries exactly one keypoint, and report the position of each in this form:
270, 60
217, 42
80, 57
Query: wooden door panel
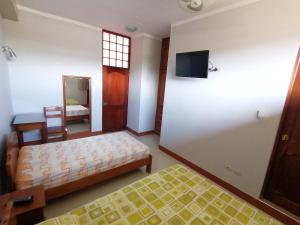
162, 83
283, 182
116, 115
289, 184
115, 98
164, 53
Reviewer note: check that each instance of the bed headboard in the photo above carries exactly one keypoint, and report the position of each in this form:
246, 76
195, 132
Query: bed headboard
11, 159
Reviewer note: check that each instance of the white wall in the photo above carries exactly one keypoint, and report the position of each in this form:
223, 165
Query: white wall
143, 83
135, 78
48, 48
149, 84
212, 122
5, 103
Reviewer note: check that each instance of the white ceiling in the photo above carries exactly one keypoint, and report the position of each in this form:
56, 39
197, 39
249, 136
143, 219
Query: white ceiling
150, 16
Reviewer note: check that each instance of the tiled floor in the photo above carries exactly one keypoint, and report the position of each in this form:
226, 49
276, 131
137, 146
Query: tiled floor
69, 202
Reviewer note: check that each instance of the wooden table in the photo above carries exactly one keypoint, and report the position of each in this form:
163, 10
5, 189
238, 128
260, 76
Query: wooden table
30, 121
25, 214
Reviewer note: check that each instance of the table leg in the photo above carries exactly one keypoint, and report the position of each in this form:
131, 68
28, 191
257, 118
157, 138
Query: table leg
44, 133
20, 138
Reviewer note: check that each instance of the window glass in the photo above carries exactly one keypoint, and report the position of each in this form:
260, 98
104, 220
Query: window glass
119, 40
119, 55
125, 49
120, 48
115, 50
105, 45
106, 61
112, 55
125, 57
105, 36
113, 38
119, 63
112, 62
105, 53
126, 41
113, 46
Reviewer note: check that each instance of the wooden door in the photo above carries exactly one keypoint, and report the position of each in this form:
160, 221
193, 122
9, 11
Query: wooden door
283, 181
115, 98
162, 83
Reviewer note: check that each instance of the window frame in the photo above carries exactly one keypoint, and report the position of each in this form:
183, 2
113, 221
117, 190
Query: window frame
129, 49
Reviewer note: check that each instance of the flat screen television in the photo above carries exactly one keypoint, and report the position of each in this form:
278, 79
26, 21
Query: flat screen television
192, 64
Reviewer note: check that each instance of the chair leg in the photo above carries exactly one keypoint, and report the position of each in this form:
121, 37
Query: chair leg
148, 168
149, 165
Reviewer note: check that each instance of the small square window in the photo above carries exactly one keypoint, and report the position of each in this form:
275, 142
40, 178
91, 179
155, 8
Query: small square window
125, 49
112, 62
113, 47
126, 41
105, 61
105, 36
120, 48
119, 63
119, 55
105, 53
125, 57
113, 38
125, 64
115, 50
119, 40
105, 45
112, 55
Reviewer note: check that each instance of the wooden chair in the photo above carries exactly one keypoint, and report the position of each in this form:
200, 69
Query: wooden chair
55, 131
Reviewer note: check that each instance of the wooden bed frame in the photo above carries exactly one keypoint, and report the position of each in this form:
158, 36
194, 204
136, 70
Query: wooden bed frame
74, 118
79, 117
67, 188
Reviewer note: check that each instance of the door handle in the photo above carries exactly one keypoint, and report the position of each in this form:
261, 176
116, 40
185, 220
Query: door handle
105, 103
285, 137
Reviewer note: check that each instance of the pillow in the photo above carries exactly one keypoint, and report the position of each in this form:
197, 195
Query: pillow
72, 101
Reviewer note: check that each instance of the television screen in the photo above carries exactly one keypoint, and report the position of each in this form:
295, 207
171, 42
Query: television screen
192, 64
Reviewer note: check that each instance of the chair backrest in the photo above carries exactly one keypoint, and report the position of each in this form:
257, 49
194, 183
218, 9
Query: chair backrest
54, 113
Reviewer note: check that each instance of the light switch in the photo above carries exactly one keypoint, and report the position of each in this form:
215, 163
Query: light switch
260, 114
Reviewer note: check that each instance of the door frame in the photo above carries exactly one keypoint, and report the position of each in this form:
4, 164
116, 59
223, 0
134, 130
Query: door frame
129, 62
64, 78
269, 178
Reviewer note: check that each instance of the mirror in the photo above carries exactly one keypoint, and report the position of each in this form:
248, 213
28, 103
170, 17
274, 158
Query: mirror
77, 103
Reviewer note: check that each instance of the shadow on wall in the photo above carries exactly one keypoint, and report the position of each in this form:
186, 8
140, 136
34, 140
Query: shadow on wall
3, 148
239, 155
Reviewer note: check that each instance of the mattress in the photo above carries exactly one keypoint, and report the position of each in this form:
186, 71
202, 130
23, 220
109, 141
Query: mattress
76, 110
54, 164
173, 196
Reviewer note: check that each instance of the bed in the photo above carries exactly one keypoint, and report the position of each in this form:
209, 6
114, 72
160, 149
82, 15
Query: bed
68, 166
77, 112
173, 196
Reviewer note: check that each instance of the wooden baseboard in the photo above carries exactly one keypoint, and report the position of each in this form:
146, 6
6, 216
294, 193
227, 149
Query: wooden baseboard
255, 202
140, 133
83, 134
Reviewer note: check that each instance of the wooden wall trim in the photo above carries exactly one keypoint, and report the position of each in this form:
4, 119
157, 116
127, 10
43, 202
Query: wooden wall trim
255, 202
140, 133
